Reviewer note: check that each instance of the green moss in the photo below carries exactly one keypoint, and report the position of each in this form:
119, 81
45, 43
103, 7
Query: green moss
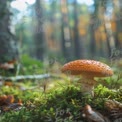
60, 103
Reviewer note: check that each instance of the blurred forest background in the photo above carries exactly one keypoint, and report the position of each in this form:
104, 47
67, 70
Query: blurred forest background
60, 30
37, 37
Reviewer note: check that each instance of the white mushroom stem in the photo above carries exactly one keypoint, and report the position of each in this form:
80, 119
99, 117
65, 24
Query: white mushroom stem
87, 85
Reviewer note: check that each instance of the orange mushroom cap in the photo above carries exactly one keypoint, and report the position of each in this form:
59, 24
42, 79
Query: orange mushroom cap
87, 67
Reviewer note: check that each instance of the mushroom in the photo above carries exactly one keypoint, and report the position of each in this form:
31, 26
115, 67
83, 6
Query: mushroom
88, 69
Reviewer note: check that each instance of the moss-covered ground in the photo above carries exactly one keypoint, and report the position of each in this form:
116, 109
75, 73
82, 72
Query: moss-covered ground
60, 100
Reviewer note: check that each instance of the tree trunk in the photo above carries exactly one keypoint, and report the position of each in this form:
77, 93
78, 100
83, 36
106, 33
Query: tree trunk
8, 44
77, 46
118, 41
92, 39
66, 35
108, 31
39, 30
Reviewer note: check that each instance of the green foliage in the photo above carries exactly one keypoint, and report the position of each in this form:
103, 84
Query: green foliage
58, 104
28, 61
31, 65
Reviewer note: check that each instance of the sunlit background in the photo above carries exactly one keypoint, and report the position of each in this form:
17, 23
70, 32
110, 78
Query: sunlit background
67, 30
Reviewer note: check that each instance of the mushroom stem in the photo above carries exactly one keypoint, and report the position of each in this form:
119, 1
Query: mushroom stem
87, 89
87, 85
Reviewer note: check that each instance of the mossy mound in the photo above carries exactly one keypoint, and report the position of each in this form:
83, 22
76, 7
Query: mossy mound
59, 104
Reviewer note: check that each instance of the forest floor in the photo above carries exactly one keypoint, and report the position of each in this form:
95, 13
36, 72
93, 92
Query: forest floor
59, 99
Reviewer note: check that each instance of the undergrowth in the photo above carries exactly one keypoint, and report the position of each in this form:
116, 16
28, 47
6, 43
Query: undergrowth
59, 104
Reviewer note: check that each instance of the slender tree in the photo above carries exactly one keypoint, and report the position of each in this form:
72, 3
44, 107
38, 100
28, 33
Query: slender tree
77, 44
92, 27
65, 30
39, 30
107, 26
92, 38
118, 18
